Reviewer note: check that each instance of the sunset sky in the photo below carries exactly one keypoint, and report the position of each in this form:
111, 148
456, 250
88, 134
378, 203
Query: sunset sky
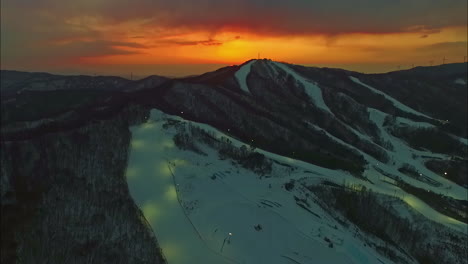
176, 38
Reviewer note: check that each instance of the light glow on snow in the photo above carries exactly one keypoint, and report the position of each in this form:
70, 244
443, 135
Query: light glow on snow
151, 211
163, 169
147, 125
171, 193
137, 144
411, 201
131, 172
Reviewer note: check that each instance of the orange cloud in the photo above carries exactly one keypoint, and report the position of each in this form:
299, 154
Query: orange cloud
184, 32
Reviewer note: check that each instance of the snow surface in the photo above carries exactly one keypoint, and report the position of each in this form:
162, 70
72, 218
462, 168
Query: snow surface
193, 202
241, 76
193, 214
460, 81
315, 93
405, 154
448, 188
402, 120
395, 102
311, 88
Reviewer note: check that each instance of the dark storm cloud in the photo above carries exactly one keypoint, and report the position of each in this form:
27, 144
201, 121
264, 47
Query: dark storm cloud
38, 31
272, 17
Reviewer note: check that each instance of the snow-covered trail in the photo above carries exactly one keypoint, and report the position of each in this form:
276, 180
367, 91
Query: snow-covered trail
152, 187
403, 154
339, 176
395, 102
315, 94
392, 190
232, 202
241, 76
311, 88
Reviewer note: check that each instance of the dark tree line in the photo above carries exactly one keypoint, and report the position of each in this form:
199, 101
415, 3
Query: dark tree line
456, 169
446, 205
362, 207
247, 157
432, 139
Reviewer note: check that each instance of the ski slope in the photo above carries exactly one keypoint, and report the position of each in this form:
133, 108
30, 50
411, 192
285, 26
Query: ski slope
193, 202
192, 214
311, 88
395, 102
404, 154
152, 187
241, 76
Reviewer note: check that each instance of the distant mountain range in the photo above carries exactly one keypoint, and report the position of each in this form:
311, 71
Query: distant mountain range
67, 143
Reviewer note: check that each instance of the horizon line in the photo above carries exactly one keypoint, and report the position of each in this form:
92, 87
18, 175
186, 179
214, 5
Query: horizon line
90, 73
